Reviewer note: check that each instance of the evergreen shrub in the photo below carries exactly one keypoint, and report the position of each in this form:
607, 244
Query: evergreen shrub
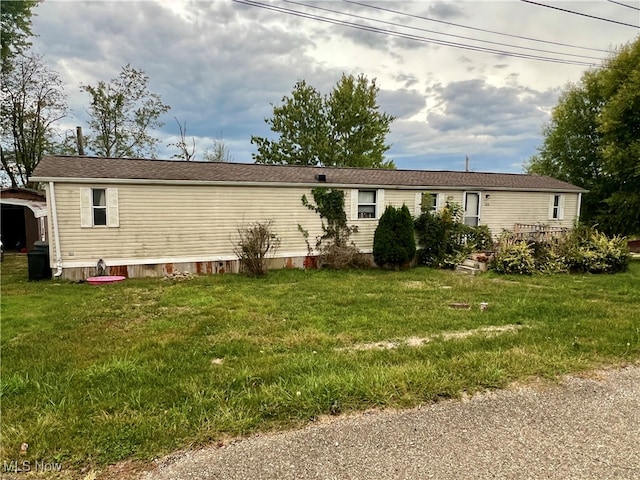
394, 243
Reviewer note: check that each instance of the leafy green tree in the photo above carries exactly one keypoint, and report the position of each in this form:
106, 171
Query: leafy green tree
593, 141
394, 243
343, 129
358, 129
32, 101
15, 29
301, 123
121, 114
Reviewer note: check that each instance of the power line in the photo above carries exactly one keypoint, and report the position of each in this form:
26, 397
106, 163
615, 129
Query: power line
624, 5
581, 14
439, 33
473, 28
407, 36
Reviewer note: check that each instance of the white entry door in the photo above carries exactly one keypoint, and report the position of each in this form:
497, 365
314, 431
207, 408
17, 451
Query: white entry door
472, 208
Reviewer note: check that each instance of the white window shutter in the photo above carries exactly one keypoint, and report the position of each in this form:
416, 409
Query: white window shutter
438, 201
418, 206
354, 204
113, 215
551, 200
86, 215
561, 208
380, 202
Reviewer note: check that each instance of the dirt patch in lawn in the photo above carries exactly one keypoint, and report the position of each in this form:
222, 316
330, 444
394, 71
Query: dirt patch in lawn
489, 331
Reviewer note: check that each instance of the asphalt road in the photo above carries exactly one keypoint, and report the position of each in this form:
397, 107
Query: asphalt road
585, 428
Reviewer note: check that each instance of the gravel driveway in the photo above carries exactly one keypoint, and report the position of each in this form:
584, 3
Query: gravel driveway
586, 428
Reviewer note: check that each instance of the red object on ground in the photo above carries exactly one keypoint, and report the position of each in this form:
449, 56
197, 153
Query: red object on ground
105, 279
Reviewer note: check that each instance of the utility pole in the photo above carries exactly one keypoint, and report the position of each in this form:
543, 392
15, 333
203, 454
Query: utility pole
79, 141
466, 163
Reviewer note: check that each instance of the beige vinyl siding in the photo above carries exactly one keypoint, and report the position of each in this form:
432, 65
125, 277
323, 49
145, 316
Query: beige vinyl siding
173, 222
399, 197
504, 209
158, 221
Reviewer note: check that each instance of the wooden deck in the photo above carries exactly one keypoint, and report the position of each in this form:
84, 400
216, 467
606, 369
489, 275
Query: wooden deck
538, 232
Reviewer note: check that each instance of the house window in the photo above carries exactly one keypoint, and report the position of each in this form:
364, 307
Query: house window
366, 204
99, 206
429, 202
556, 207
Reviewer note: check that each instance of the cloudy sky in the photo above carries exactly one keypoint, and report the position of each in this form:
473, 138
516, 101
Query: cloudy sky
221, 65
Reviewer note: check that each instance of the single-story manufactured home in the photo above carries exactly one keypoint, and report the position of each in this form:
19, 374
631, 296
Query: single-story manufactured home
154, 217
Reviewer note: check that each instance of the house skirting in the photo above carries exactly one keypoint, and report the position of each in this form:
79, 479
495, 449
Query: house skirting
143, 270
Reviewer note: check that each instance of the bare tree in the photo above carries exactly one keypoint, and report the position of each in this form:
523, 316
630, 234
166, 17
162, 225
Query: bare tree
186, 151
32, 101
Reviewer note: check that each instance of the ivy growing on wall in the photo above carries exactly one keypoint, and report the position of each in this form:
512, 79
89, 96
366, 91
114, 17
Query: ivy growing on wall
334, 246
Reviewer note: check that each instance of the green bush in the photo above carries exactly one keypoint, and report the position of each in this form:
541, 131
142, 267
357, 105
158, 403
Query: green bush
588, 250
583, 250
549, 256
431, 231
394, 243
479, 237
445, 241
513, 257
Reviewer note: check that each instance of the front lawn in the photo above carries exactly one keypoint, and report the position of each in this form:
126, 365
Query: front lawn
93, 375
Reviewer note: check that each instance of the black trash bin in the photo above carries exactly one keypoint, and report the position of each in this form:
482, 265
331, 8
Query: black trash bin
39, 262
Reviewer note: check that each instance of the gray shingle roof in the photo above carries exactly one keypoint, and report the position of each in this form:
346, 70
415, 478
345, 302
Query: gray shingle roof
57, 168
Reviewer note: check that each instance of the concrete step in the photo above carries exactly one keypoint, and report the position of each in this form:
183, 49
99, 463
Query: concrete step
467, 269
471, 263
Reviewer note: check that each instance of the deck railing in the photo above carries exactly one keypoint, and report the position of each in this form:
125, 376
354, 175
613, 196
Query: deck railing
538, 232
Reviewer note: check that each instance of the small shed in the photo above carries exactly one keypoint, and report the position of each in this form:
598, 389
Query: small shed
24, 218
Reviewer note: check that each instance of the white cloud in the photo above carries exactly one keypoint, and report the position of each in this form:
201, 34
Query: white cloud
221, 65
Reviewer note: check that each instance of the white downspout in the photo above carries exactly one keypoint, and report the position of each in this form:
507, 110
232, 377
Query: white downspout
579, 206
56, 236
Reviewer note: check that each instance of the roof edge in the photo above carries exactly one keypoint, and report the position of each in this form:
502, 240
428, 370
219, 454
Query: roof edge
319, 167
143, 181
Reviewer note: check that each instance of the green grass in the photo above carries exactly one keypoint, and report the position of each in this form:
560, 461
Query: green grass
94, 375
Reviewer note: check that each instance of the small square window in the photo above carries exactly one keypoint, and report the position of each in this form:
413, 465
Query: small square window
429, 202
366, 204
99, 206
